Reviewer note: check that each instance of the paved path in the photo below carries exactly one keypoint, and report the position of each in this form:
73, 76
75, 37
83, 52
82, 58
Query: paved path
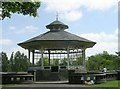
52, 85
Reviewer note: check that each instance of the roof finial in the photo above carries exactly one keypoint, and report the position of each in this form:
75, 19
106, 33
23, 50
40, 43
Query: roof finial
56, 15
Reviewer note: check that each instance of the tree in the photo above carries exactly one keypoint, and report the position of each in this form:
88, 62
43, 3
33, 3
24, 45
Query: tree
98, 61
25, 8
11, 62
63, 62
118, 53
117, 61
18, 62
5, 61
55, 62
38, 63
46, 62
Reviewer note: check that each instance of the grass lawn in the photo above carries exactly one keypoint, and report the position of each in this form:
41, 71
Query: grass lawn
108, 85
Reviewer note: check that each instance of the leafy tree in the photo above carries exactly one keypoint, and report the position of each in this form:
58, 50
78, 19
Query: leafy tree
117, 61
11, 63
79, 60
46, 61
98, 61
38, 63
18, 62
63, 62
5, 61
118, 53
25, 8
55, 62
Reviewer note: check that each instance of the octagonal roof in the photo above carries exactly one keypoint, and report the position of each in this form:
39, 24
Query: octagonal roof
57, 38
57, 24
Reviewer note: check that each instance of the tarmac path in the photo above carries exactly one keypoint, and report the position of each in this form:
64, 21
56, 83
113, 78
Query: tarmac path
50, 85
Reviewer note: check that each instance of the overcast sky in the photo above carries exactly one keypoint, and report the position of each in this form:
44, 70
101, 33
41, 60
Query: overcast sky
96, 20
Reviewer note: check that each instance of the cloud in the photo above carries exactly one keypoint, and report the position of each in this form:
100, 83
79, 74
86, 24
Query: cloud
5, 42
71, 16
27, 29
72, 9
105, 42
12, 27
100, 4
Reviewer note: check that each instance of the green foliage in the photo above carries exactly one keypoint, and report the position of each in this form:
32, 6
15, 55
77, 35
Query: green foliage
38, 63
98, 61
63, 62
79, 61
20, 62
46, 61
17, 62
25, 8
4, 61
118, 53
55, 62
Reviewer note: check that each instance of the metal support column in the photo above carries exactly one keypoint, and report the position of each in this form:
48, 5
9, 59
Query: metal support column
33, 57
68, 60
83, 56
29, 55
42, 61
49, 56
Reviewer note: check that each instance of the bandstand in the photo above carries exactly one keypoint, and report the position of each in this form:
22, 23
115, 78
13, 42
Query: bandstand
58, 51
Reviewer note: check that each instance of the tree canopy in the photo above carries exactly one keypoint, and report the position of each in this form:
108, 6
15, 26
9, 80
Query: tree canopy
17, 62
25, 8
4, 61
99, 61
